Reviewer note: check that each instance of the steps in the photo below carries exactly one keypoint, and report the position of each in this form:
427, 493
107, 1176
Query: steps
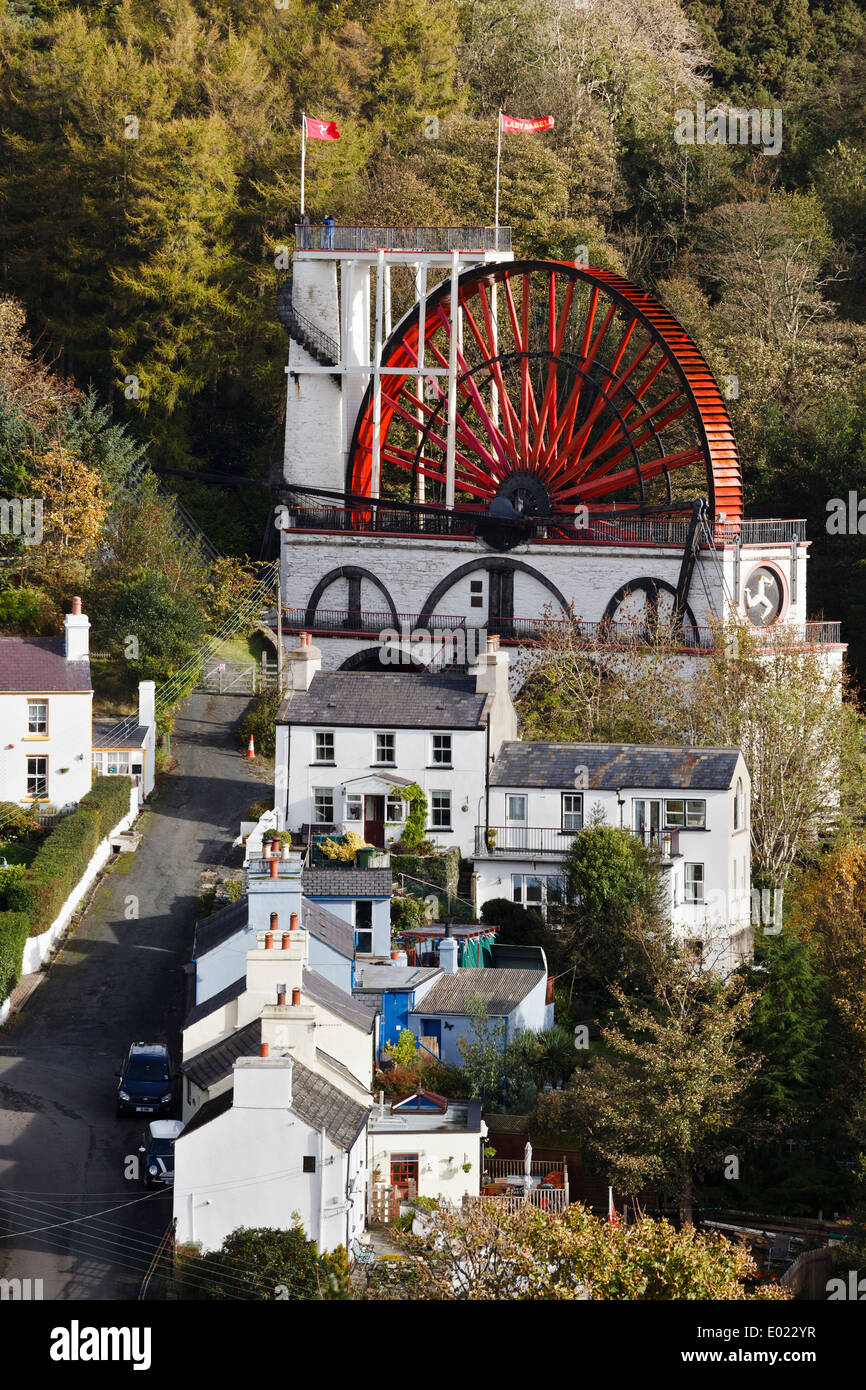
322, 348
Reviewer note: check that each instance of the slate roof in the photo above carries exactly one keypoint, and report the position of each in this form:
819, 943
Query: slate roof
215, 1063
215, 1001
340, 1067
211, 1110
612, 765
500, 991
319, 1103
327, 927
330, 996
368, 699
348, 883
379, 977
38, 666
113, 733
212, 931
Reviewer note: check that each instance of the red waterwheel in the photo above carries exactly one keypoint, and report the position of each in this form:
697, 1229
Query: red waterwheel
574, 389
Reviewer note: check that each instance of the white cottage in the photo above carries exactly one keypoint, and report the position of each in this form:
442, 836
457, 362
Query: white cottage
692, 804
347, 741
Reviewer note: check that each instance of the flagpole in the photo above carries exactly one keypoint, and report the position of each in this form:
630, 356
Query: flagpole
303, 155
498, 162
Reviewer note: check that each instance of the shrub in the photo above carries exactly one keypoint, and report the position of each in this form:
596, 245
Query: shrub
256, 808
14, 930
260, 721
407, 912
16, 822
9, 876
63, 857
344, 848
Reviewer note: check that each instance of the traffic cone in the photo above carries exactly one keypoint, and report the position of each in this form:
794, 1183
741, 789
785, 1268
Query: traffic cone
251, 748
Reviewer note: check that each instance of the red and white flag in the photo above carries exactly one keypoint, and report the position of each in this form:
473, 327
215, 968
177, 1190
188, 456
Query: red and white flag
529, 123
321, 130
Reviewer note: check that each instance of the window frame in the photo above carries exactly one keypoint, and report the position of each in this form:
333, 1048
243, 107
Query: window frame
324, 734
354, 801
36, 758
327, 792
37, 733
437, 811
378, 760
686, 802
571, 796
437, 761
697, 881
391, 802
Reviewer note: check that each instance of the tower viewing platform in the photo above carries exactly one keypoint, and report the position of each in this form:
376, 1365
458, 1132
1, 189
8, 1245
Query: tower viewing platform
487, 243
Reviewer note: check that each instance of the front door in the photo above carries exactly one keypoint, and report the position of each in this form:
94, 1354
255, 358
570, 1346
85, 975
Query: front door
374, 820
647, 819
515, 822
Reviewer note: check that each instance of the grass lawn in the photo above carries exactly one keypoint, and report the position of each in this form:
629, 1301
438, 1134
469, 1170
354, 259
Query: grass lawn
242, 650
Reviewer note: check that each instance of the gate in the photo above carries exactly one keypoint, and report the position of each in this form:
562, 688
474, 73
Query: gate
226, 678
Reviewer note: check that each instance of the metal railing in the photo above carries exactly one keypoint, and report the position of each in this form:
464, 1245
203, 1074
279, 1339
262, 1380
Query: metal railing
519, 839
516, 1167
366, 624
538, 840
319, 344
415, 518
428, 240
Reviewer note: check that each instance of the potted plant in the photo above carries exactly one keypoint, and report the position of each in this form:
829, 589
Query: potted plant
490, 836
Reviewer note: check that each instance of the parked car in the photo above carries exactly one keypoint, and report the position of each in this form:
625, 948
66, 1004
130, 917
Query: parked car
145, 1081
157, 1148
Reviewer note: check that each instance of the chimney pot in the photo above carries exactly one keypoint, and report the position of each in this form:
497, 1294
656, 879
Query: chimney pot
293, 922
296, 997
264, 1049
275, 921
275, 867
281, 996
287, 941
269, 941
76, 605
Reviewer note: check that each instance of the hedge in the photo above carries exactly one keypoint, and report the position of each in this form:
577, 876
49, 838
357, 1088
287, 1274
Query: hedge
14, 930
62, 858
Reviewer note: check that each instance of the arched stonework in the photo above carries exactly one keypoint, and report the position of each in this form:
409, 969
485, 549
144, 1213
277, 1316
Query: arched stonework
370, 659
350, 572
652, 587
493, 565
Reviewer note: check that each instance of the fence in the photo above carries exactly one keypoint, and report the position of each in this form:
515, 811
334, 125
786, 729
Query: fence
553, 1199
425, 239
49, 816
383, 1202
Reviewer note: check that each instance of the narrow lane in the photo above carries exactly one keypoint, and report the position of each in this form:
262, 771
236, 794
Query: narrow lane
119, 979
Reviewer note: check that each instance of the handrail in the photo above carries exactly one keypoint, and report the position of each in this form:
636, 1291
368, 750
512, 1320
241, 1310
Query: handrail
429, 240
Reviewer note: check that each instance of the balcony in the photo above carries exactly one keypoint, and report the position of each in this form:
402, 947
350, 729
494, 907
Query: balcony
519, 840
605, 528
536, 842
426, 240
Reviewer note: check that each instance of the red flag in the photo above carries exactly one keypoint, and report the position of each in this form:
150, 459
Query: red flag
526, 123
321, 130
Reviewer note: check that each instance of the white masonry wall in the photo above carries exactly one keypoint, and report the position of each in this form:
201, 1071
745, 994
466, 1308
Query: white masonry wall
67, 746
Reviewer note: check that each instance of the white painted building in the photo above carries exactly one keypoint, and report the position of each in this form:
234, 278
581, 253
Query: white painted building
50, 746
347, 741
692, 804
46, 703
425, 1145
279, 1140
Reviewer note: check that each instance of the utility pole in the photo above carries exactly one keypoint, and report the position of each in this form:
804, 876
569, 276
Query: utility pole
279, 627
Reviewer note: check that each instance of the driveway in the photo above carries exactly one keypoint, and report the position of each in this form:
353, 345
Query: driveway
119, 978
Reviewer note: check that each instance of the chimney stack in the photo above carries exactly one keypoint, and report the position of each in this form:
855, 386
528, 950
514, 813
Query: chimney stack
448, 954
305, 662
76, 629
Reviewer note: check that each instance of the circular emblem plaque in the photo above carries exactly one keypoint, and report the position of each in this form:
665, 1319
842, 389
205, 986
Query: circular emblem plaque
763, 596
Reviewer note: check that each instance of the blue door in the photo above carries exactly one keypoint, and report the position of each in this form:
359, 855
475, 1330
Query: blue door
431, 1032
395, 1015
